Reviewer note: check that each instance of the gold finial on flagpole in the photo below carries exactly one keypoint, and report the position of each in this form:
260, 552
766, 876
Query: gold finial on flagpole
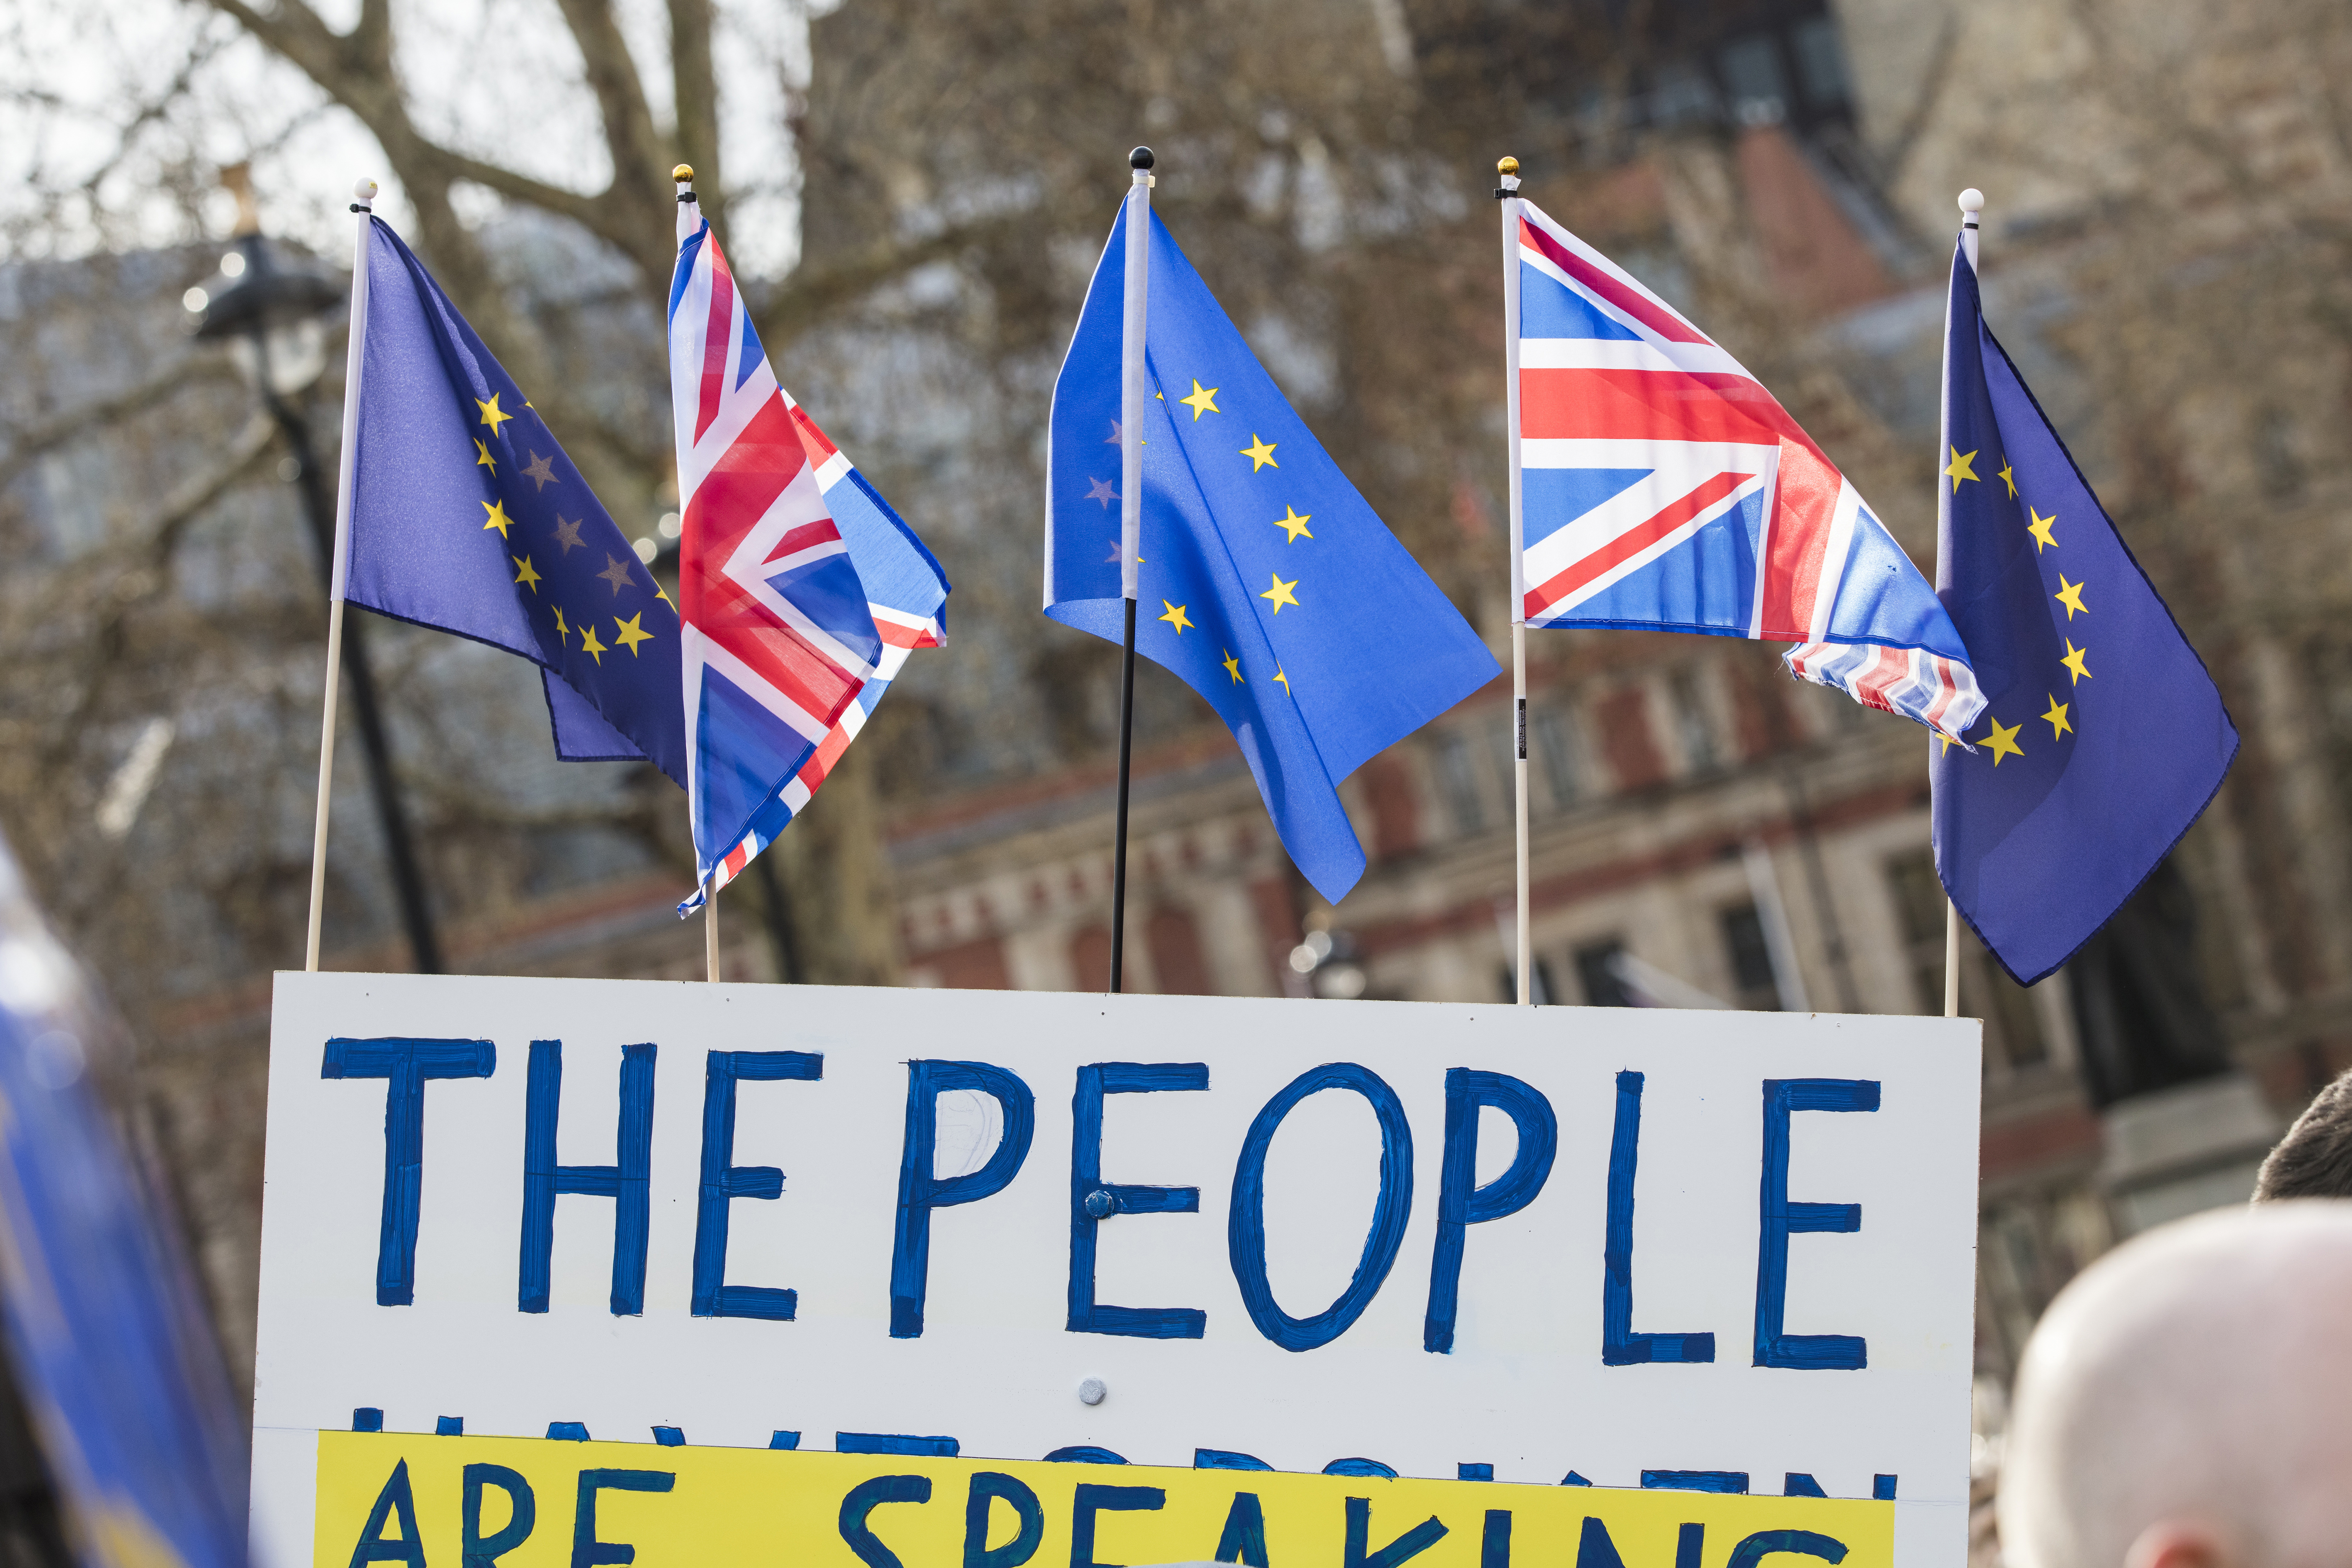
683, 173
1507, 166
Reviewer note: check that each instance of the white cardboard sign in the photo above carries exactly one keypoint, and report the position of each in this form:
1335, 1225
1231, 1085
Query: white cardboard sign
1639, 1246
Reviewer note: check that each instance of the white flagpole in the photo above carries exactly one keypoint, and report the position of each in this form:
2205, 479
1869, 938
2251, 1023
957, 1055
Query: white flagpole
689, 220
1506, 198
1133, 320
355, 361
710, 929
1971, 205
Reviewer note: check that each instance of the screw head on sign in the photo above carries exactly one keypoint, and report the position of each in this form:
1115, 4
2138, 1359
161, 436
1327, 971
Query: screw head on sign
1101, 1204
1092, 1391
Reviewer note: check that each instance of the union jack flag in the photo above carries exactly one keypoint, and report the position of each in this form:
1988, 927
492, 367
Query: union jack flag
908, 596
776, 636
1662, 487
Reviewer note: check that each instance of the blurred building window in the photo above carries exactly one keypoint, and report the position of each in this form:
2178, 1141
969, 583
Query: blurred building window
1693, 728
1177, 963
1458, 784
1396, 814
1752, 74
1754, 987
1920, 907
1090, 959
1596, 974
2013, 1036
1542, 993
1625, 734
1558, 743
1821, 64
1680, 94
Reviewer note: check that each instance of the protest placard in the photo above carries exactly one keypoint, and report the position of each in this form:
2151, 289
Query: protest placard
1669, 1258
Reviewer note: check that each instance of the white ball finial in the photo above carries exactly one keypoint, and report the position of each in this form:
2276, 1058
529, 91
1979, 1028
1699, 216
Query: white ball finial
364, 191
1972, 201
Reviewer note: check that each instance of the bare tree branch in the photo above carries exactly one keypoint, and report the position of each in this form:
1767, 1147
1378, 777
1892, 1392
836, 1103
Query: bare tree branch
694, 88
29, 441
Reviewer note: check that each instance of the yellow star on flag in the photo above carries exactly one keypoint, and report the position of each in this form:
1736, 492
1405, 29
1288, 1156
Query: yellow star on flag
2003, 742
562, 631
492, 415
483, 458
628, 634
1960, 470
2057, 716
2071, 595
1280, 592
2005, 477
1260, 452
1293, 524
525, 576
590, 646
1283, 679
2040, 528
1203, 401
1233, 665
1175, 616
2073, 661
664, 598
498, 518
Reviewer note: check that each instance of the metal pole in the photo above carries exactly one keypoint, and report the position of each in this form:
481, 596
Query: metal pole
710, 928
1507, 197
346, 646
1132, 324
1971, 205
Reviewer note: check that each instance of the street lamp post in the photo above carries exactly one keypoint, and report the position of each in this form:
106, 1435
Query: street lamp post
272, 319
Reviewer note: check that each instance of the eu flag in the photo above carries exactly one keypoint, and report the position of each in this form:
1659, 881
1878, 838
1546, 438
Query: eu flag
2103, 737
466, 516
1267, 583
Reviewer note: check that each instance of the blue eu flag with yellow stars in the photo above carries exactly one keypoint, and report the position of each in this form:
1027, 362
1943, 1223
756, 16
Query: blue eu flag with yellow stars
1267, 582
466, 516
2103, 737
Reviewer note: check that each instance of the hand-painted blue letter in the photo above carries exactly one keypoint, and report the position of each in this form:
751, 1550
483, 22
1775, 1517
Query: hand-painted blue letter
1245, 1220
1095, 1081
407, 1064
627, 1182
919, 1189
587, 1551
1619, 1345
723, 1181
1461, 1203
1780, 1219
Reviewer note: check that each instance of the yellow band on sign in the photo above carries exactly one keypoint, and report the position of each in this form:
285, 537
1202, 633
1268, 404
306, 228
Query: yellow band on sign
524, 1502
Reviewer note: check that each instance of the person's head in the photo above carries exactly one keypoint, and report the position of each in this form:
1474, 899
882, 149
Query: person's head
2314, 1159
2186, 1402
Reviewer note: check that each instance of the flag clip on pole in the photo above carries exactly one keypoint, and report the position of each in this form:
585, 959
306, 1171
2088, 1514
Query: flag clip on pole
346, 462
1507, 196
1971, 211
1131, 405
689, 218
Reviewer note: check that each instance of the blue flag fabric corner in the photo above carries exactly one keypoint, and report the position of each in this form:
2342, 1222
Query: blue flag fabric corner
1269, 584
466, 516
2103, 736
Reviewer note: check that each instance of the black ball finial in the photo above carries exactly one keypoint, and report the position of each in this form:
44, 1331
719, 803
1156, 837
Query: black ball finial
1140, 159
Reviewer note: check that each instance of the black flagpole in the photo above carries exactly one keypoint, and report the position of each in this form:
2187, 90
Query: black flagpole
1126, 750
